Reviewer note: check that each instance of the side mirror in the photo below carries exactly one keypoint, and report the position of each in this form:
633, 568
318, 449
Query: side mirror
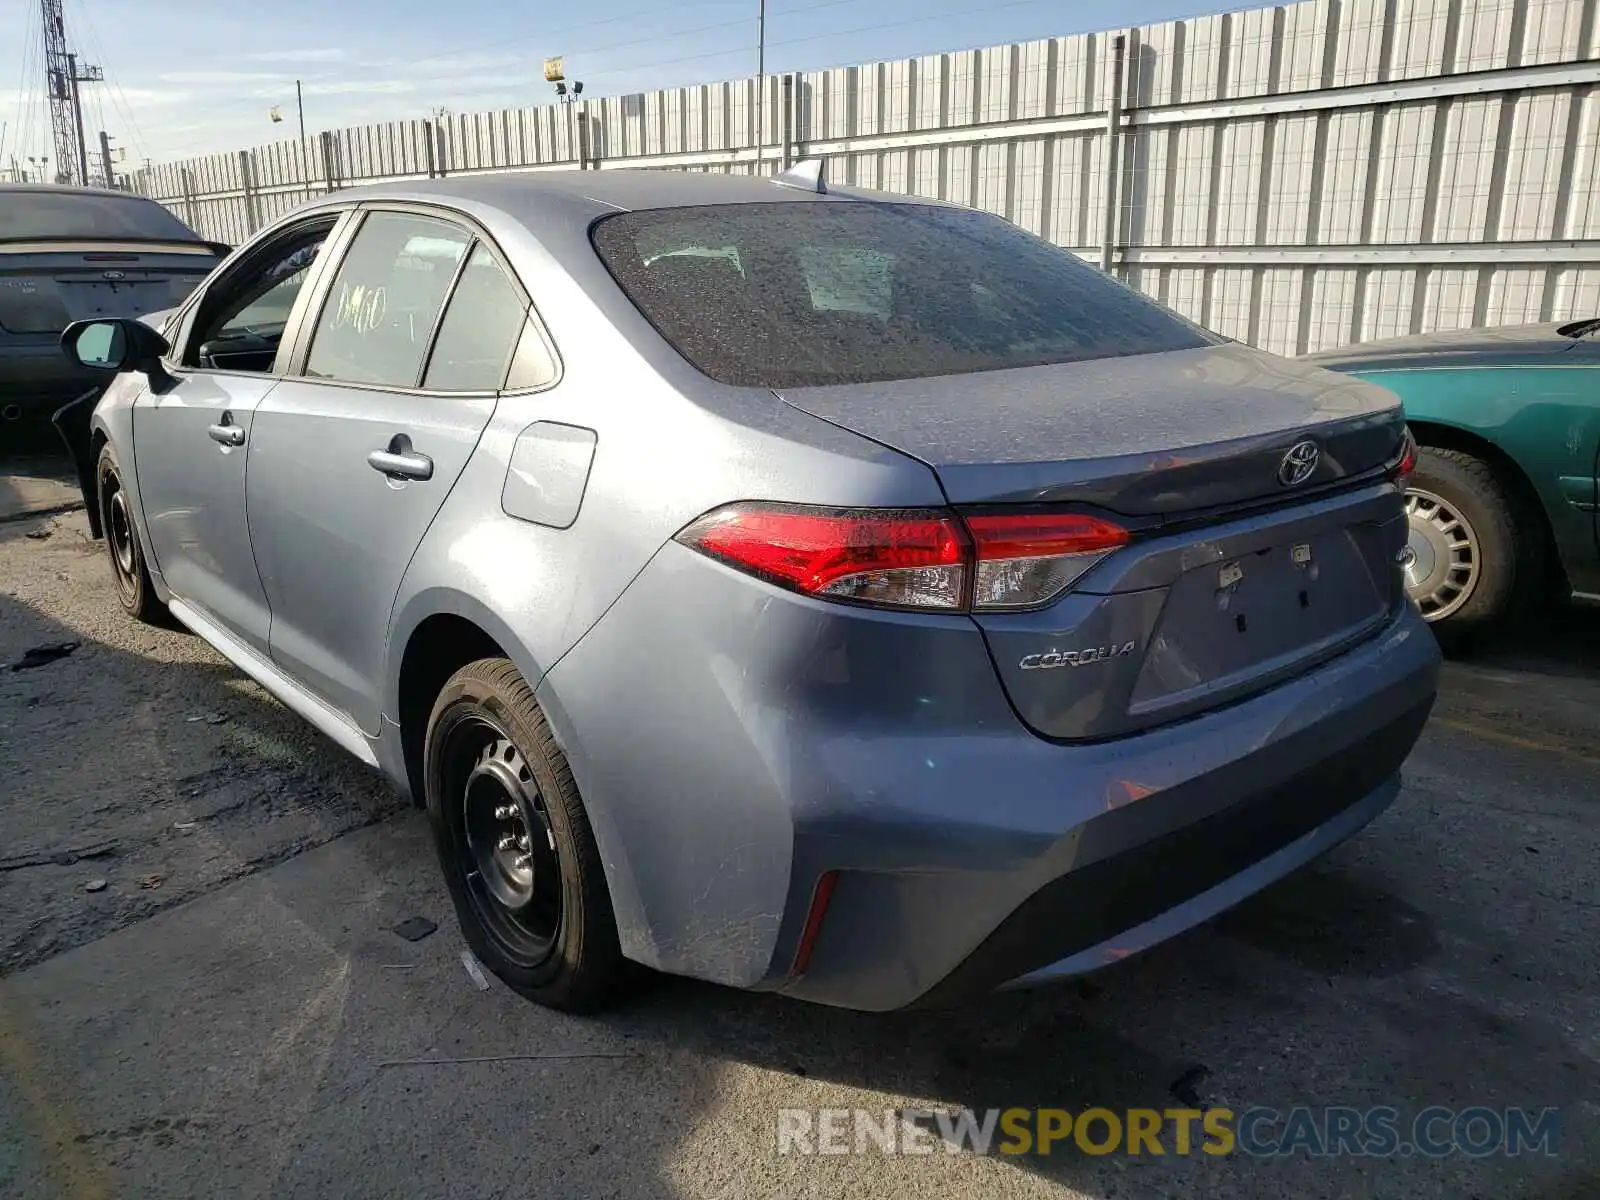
117, 344
96, 345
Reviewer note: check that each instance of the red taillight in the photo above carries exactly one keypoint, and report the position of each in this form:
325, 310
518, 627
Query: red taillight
1406, 461
902, 559
821, 897
1027, 559
912, 558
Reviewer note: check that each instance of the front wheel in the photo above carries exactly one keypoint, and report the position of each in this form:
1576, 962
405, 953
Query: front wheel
514, 841
1473, 554
134, 590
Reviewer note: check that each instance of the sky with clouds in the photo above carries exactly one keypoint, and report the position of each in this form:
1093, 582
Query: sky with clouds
187, 77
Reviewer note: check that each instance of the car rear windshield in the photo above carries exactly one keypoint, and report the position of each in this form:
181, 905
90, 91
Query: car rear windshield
795, 294
44, 215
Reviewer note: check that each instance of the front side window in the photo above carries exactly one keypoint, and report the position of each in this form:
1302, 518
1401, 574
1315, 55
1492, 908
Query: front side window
799, 293
381, 310
479, 329
241, 320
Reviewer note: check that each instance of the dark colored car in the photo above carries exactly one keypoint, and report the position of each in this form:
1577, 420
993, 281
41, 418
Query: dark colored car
71, 254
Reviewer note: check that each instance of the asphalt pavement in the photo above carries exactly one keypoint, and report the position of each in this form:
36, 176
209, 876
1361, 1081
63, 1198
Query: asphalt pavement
232, 1013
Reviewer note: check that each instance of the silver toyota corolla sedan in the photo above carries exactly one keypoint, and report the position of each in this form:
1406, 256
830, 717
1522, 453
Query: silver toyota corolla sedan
794, 587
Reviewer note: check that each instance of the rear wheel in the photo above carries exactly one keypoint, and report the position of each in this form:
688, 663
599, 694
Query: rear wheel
515, 844
134, 589
1474, 553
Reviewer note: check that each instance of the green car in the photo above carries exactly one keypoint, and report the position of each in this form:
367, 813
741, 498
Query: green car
1504, 503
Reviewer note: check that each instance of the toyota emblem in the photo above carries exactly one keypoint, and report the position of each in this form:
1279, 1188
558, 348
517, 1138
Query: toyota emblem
1298, 465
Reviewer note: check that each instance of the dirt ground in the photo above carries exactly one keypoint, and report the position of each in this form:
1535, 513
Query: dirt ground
232, 1013
144, 741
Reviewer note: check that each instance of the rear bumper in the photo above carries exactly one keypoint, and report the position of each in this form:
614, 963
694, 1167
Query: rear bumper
1104, 911
39, 379
734, 744
1250, 793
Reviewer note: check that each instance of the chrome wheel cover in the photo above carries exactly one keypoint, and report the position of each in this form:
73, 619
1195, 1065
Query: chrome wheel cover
1443, 559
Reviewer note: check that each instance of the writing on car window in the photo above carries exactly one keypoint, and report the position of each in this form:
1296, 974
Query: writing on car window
385, 300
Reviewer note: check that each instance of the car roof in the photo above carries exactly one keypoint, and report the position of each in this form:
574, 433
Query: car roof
61, 189
539, 216
551, 203
625, 189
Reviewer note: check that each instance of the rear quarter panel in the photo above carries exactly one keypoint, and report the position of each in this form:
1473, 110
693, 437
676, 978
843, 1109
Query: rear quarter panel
665, 452
1545, 418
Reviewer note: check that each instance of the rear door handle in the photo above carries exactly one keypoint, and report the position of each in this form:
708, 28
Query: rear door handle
226, 432
399, 461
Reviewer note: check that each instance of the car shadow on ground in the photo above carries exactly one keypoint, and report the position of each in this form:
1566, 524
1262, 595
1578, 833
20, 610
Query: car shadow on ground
106, 747
1341, 985
1274, 1006
1557, 638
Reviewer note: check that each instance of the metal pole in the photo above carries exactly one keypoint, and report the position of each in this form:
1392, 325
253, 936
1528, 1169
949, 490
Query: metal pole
785, 154
1119, 46
77, 120
105, 157
247, 182
328, 163
761, 81
305, 151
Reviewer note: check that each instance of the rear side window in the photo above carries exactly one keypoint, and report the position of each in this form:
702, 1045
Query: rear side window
791, 294
380, 312
27, 215
480, 329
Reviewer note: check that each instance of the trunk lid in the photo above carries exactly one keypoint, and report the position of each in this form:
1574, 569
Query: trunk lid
1150, 434
1234, 580
42, 291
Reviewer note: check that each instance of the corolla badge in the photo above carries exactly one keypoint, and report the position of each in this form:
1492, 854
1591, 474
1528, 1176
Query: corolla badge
1297, 465
1052, 659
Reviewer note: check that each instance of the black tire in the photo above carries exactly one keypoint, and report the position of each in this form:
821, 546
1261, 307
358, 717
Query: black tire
489, 749
1507, 559
134, 590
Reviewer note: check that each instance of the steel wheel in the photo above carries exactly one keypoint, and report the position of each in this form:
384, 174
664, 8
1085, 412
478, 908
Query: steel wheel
506, 847
121, 539
120, 531
1444, 557
513, 837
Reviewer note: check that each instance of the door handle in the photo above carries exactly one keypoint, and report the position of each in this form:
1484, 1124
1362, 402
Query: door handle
399, 461
226, 432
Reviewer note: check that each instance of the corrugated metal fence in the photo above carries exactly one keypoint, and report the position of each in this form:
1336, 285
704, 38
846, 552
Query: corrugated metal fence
1296, 177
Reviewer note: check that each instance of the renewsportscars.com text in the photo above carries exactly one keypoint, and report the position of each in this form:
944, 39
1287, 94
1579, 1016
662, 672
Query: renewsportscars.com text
1377, 1132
